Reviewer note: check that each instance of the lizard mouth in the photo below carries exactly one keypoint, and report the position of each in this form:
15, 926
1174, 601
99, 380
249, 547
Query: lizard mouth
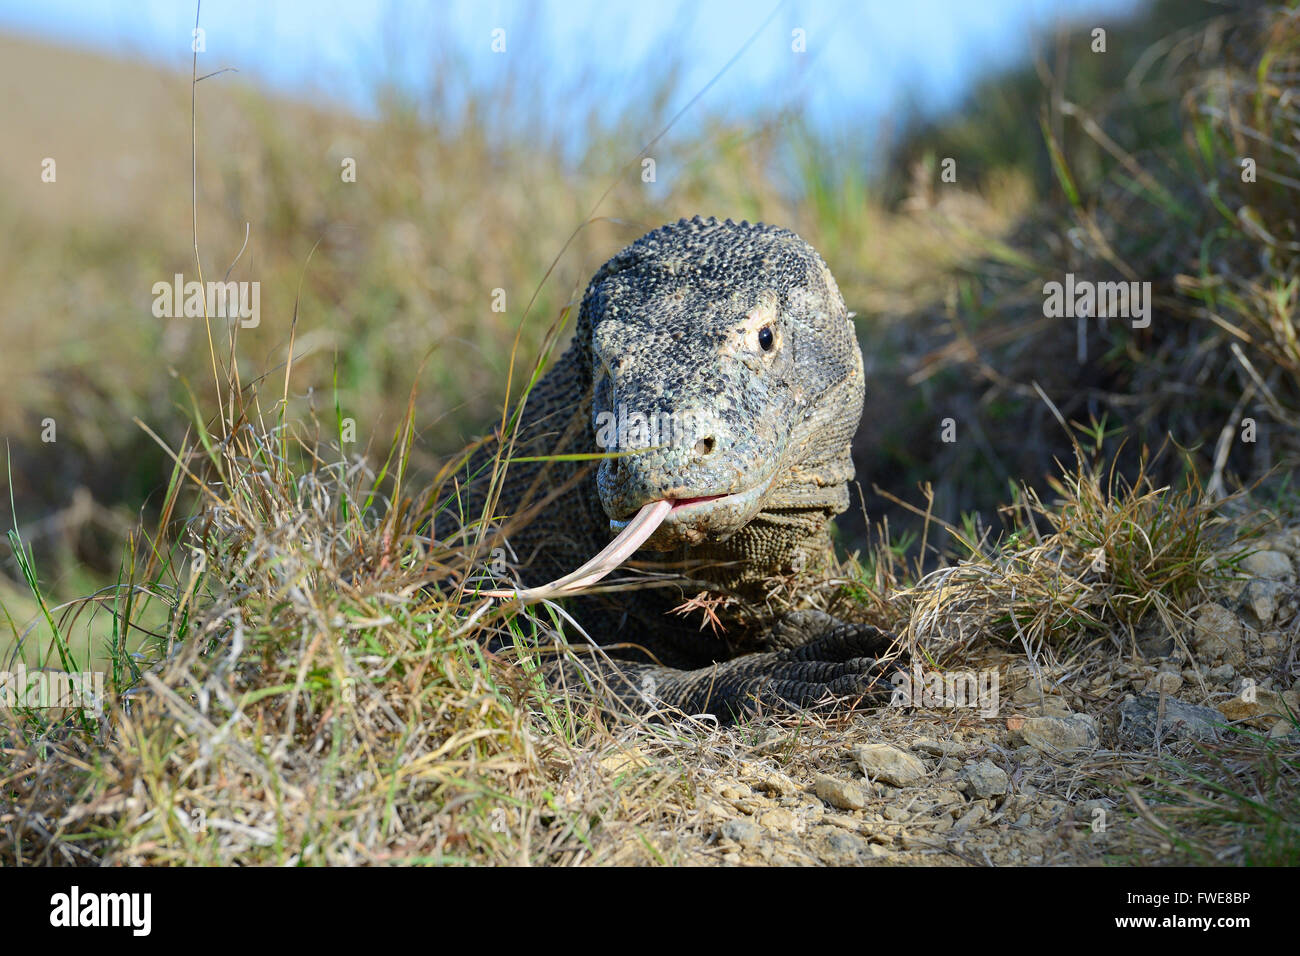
659, 525
694, 519
662, 524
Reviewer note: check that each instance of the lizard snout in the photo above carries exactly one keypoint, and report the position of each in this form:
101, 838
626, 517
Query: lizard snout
665, 456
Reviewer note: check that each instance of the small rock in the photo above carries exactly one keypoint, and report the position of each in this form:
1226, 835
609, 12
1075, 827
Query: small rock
842, 844
1272, 642
1281, 729
1027, 754
1166, 682
841, 821
984, 778
895, 814
1218, 636
1263, 711
740, 831
1154, 642
1262, 598
881, 835
1036, 687
1221, 674
1273, 565
733, 790
1050, 706
1138, 717
812, 812
1062, 736
970, 818
936, 748
772, 781
918, 841
714, 808
1092, 812
841, 794
779, 819
889, 764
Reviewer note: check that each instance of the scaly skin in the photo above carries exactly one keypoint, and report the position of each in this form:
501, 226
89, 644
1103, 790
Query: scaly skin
735, 340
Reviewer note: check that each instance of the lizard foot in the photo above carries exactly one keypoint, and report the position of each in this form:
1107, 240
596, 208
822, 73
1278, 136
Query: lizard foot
847, 663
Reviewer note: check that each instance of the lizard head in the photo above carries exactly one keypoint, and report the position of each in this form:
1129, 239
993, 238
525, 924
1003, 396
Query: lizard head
726, 377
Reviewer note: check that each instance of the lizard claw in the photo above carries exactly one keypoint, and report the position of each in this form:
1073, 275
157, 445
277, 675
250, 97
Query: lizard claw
850, 661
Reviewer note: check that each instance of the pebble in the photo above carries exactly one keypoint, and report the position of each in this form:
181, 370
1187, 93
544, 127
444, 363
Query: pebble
846, 843
1051, 706
889, 764
740, 831
1262, 599
714, 808
985, 778
733, 790
1069, 737
970, 817
1273, 565
841, 821
936, 748
1221, 674
1263, 711
918, 841
772, 781
1138, 717
841, 794
779, 819
1166, 682
1218, 636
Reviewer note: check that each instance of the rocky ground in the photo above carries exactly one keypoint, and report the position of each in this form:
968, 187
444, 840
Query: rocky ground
1068, 771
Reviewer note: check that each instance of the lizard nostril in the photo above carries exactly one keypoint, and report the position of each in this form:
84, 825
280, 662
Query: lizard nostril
704, 447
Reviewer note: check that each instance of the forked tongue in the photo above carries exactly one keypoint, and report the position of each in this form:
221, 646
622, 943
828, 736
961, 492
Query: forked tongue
650, 517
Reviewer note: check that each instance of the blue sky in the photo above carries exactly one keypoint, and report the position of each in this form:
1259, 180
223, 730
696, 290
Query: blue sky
864, 56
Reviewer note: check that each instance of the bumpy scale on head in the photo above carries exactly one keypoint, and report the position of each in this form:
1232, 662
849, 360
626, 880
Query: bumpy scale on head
716, 350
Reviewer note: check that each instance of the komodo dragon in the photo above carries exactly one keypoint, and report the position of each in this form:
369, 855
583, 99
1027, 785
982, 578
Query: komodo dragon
733, 338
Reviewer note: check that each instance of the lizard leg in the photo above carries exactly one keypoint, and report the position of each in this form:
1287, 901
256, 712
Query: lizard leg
845, 663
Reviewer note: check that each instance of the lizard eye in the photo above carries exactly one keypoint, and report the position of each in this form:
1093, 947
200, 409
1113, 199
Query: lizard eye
765, 338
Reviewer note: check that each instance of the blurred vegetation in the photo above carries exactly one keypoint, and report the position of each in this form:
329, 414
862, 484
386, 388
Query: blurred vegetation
1135, 164
462, 191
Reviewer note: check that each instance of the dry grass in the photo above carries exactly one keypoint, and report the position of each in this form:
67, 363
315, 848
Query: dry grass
313, 688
